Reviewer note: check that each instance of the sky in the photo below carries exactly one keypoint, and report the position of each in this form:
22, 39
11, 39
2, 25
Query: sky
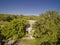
28, 7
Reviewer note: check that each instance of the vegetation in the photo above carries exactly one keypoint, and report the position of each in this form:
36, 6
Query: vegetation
14, 29
27, 42
46, 29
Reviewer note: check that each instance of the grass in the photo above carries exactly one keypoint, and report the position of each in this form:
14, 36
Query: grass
27, 42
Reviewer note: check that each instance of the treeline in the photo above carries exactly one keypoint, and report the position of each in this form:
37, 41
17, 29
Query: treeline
46, 29
9, 17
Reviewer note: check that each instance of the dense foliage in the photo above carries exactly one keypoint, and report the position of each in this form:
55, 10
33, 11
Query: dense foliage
7, 17
47, 28
14, 29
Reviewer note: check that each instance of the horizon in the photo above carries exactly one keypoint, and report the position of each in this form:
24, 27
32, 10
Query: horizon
28, 7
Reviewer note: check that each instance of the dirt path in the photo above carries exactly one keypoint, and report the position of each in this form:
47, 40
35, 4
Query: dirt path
29, 30
29, 35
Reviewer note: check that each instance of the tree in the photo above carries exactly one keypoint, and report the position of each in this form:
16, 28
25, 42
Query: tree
15, 29
47, 28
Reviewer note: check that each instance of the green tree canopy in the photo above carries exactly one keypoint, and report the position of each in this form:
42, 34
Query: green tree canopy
47, 28
15, 28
